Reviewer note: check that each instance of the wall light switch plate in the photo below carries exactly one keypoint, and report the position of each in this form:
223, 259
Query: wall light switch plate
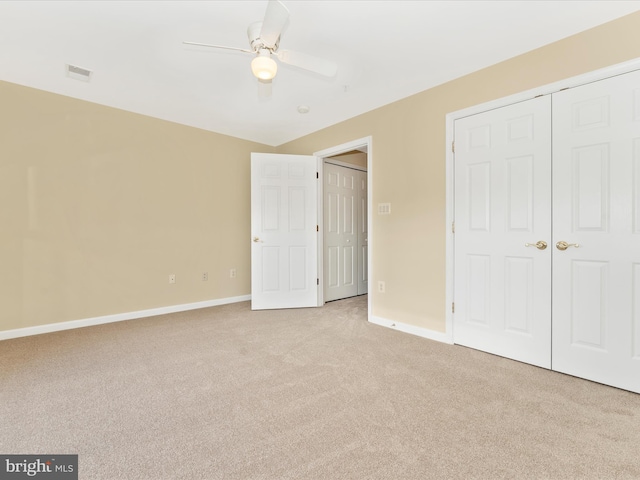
384, 209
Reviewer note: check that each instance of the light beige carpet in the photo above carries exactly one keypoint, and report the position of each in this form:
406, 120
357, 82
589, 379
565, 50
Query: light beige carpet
226, 393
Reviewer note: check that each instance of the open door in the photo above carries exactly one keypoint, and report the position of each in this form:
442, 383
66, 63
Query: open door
284, 231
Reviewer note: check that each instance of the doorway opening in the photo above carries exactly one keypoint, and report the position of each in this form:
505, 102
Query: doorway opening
357, 156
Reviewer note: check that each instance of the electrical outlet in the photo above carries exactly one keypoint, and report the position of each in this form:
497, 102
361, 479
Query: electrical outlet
172, 278
205, 276
232, 273
382, 287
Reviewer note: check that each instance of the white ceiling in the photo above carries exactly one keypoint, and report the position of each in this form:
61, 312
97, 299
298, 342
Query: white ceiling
386, 50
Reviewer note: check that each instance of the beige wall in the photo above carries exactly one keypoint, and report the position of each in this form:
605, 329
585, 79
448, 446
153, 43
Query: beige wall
98, 206
409, 162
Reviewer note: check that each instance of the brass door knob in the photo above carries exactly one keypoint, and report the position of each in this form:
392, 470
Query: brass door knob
540, 245
257, 240
562, 245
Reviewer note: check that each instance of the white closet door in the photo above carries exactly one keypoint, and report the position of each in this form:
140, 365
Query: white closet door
502, 203
596, 195
363, 235
340, 232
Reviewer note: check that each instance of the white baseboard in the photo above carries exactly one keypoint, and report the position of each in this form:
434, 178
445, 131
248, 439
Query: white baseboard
413, 330
87, 322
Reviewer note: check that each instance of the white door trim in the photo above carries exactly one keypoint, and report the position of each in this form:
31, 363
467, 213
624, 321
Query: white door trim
362, 143
582, 79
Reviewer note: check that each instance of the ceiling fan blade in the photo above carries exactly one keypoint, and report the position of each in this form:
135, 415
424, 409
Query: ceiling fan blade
308, 62
264, 89
275, 19
218, 46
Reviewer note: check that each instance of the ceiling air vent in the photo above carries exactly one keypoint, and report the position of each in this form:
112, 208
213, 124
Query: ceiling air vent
79, 73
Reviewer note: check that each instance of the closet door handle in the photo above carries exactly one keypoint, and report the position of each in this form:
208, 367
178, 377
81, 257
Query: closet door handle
562, 245
540, 245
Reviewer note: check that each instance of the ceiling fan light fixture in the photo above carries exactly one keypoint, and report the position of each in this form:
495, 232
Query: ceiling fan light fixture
263, 66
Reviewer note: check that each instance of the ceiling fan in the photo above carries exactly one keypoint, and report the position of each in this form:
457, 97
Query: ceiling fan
264, 41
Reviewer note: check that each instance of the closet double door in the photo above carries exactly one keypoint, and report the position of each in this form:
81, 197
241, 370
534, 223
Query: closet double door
345, 232
547, 231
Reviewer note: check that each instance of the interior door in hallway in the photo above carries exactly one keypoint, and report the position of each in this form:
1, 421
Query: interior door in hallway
363, 234
502, 224
341, 246
596, 195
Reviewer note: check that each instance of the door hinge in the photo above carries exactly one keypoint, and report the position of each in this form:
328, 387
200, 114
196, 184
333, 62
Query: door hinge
453, 307
453, 147
317, 281
317, 175
317, 228
453, 227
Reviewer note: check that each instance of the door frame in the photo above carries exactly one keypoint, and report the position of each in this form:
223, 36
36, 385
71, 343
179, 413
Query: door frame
548, 89
359, 144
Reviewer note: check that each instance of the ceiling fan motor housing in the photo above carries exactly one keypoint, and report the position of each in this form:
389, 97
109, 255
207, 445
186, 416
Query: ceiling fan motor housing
257, 44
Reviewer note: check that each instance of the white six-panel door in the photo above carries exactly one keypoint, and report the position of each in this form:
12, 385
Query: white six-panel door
363, 234
340, 232
344, 232
502, 209
596, 197
284, 231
